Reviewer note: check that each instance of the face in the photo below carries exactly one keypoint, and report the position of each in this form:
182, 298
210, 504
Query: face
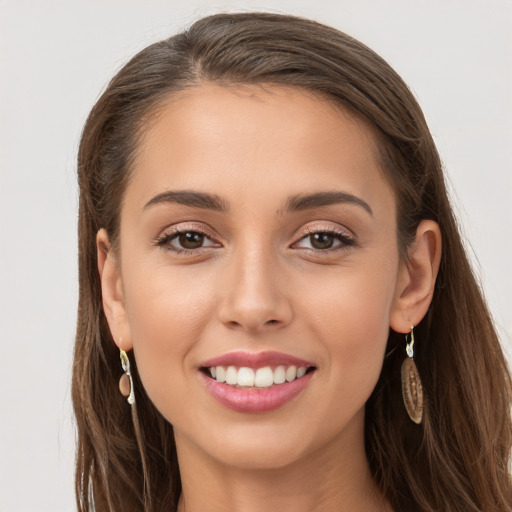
257, 232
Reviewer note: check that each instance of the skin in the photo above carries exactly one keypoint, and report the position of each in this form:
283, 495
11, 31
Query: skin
259, 283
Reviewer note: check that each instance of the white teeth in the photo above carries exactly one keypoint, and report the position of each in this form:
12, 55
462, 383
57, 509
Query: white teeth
279, 375
264, 377
231, 376
291, 373
221, 374
260, 378
246, 377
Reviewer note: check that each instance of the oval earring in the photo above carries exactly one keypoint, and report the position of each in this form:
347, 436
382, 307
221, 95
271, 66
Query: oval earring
412, 389
127, 389
126, 382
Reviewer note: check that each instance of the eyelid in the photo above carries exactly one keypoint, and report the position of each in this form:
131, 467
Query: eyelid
182, 227
336, 229
326, 228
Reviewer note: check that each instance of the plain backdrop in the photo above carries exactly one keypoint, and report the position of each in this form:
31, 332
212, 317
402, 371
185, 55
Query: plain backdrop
55, 59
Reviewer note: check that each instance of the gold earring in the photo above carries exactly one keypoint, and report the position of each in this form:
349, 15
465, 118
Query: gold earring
412, 390
126, 382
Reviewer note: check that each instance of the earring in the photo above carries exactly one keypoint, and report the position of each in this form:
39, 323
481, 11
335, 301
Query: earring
412, 390
126, 382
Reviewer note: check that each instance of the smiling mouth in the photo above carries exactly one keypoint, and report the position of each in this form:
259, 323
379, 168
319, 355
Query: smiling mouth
256, 378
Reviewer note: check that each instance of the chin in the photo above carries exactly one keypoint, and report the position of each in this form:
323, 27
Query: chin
271, 442
260, 455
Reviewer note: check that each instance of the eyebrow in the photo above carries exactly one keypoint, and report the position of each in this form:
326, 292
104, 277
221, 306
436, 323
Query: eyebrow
306, 202
190, 198
293, 204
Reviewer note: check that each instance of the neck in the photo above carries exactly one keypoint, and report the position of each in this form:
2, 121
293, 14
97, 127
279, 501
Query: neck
332, 478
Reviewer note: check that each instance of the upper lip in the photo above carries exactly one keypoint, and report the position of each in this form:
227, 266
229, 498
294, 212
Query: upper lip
255, 360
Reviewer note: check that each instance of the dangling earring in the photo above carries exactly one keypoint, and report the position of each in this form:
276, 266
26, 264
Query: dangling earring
412, 390
127, 390
126, 382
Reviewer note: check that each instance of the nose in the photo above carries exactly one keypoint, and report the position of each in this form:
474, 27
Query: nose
254, 298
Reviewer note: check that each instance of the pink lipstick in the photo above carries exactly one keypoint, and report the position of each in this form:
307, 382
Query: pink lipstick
255, 382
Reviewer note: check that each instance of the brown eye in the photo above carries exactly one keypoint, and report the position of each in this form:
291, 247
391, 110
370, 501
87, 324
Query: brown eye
325, 240
191, 240
186, 241
322, 240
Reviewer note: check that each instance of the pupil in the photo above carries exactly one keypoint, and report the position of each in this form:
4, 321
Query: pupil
322, 240
191, 240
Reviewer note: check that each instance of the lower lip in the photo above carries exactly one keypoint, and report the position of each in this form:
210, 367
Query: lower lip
256, 400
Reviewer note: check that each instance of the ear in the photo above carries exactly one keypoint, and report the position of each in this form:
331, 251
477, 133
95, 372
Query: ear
112, 291
417, 278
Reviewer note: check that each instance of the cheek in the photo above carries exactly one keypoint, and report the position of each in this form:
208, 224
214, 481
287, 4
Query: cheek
166, 317
351, 320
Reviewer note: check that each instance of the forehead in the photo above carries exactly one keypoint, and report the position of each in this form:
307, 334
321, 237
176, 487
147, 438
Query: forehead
205, 109
268, 138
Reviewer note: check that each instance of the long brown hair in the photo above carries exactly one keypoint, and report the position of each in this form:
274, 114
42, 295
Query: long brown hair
458, 459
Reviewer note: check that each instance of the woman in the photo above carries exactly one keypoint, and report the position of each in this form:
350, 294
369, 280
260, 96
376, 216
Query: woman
267, 243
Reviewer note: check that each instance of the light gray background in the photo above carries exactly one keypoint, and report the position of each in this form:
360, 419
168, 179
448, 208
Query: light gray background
55, 58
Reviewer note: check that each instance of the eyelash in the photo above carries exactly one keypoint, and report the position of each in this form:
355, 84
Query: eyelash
339, 234
164, 240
